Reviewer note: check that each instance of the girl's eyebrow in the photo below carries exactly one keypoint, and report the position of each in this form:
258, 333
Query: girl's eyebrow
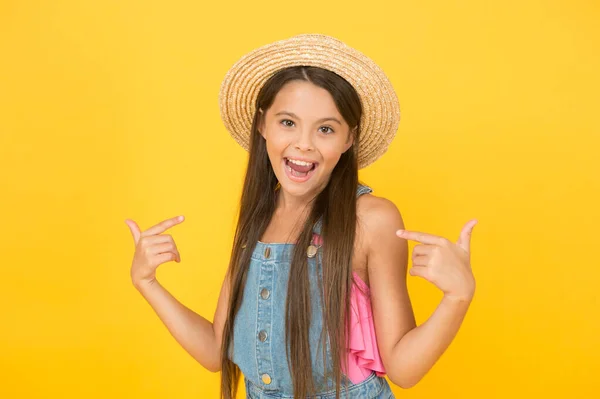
330, 118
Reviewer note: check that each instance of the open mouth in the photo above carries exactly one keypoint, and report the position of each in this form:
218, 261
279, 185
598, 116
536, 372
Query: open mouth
299, 171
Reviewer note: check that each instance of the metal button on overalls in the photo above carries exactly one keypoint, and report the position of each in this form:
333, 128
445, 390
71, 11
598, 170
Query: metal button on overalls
264, 293
311, 251
262, 336
266, 379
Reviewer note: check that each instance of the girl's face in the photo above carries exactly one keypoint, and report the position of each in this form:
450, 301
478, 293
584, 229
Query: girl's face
305, 136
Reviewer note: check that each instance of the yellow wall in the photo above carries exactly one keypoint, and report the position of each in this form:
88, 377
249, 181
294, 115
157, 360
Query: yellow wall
108, 111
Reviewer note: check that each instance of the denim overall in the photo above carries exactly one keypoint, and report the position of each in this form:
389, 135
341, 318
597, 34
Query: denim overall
259, 347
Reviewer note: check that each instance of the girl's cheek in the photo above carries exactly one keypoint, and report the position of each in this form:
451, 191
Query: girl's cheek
278, 139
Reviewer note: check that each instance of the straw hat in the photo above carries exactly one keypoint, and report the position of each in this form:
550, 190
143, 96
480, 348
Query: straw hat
381, 111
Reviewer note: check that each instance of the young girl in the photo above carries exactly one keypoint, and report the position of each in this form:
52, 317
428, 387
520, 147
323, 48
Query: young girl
314, 302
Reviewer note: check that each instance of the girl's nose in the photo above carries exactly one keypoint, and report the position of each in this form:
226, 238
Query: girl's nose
304, 141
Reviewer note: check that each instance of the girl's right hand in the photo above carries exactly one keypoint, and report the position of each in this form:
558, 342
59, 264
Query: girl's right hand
152, 249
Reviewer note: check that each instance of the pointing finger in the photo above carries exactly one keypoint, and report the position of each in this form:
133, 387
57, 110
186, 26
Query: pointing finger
424, 238
163, 226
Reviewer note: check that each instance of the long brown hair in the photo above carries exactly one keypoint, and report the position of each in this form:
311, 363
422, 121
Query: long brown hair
336, 204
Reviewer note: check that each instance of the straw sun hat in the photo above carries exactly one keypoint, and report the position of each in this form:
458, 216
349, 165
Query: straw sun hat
381, 111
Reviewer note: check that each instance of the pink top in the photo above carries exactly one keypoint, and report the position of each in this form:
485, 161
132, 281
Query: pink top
363, 352
362, 349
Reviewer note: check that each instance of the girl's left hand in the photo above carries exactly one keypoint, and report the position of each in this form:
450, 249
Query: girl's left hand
444, 263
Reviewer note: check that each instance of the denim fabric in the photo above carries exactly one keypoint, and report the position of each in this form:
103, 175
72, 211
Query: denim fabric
372, 388
259, 347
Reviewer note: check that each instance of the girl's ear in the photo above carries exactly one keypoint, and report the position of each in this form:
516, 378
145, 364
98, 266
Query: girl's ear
350, 140
261, 122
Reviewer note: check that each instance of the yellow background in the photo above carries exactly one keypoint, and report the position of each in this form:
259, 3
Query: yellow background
108, 111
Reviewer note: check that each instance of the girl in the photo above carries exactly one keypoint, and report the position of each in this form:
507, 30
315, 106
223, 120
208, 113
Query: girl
314, 302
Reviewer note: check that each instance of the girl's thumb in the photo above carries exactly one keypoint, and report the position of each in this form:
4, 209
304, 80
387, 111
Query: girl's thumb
134, 229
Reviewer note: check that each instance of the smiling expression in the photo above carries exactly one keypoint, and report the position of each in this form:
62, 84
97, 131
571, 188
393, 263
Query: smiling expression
305, 136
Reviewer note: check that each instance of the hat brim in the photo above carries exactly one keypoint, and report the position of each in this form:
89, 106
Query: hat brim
243, 81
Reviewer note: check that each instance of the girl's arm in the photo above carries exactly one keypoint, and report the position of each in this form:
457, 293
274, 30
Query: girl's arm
198, 336
420, 348
408, 352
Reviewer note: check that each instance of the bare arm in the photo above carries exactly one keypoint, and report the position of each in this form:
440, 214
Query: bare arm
419, 349
408, 352
198, 336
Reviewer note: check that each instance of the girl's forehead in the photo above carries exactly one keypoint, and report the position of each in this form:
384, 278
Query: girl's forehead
304, 99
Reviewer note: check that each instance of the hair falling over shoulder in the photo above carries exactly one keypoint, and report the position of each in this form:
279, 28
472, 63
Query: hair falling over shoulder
336, 204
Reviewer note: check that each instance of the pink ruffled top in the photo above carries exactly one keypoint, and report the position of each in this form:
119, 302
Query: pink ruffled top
363, 352
362, 349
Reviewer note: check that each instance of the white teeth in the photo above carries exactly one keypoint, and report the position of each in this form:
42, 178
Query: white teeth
301, 163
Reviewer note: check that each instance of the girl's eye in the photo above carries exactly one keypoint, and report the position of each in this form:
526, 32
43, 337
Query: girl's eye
289, 123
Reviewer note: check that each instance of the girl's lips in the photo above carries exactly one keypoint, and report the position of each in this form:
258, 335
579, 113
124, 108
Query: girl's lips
297, 179
300, 159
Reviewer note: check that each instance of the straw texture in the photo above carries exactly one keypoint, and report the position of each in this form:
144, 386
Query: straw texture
381, 111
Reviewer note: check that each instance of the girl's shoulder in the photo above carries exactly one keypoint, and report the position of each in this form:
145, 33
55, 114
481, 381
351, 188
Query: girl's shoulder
378, 218
377, 211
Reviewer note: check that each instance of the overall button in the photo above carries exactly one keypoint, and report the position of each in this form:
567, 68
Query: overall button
266, 379
267, 252
311, 251
264, 293
262, 336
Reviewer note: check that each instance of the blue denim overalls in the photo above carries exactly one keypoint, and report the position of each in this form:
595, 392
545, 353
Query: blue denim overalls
259, 330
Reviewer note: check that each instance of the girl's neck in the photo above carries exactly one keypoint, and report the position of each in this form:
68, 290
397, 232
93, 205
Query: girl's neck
288, 217
290, 204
